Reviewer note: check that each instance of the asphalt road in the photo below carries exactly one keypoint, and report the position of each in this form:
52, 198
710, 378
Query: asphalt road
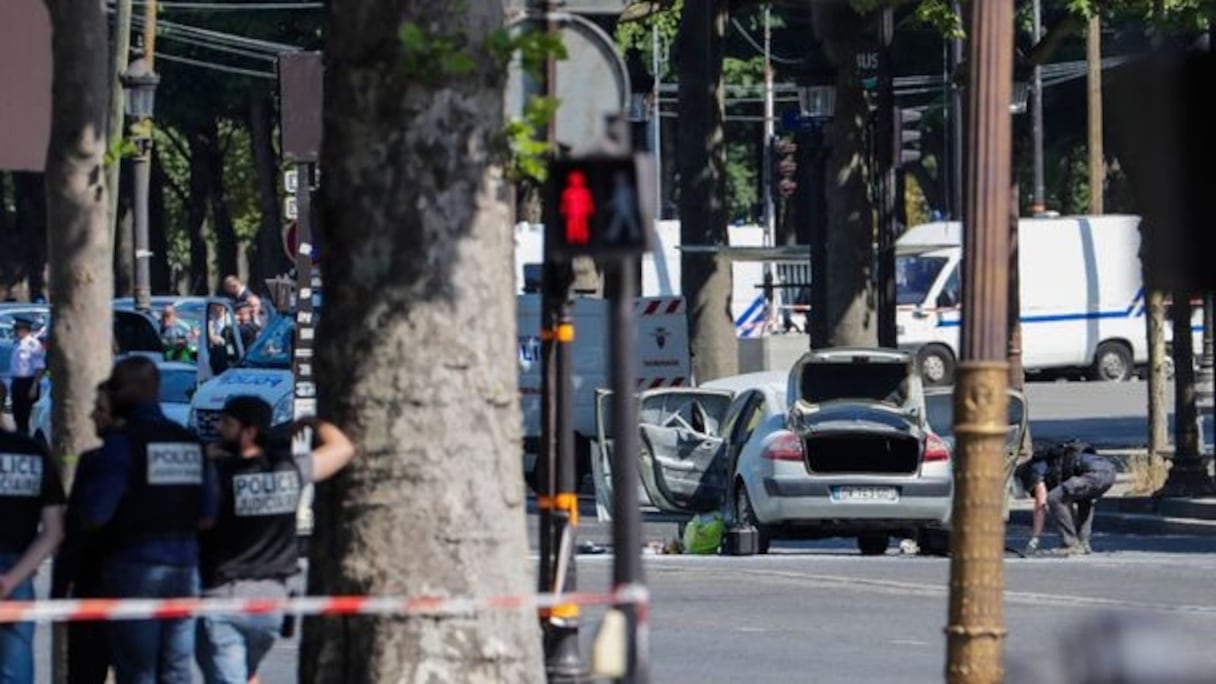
818, 611
1110, 415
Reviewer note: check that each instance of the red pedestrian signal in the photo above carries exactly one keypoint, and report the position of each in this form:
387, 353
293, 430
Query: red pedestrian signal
592, 208
577, 208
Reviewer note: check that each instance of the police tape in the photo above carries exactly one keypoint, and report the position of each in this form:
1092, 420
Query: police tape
92, 610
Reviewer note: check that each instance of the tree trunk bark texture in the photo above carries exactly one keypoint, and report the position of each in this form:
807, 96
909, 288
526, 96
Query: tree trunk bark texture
77, 209
416, 358
196, 215
852, 302
158, 230
268, 258
124, 233
221, 212
705, 280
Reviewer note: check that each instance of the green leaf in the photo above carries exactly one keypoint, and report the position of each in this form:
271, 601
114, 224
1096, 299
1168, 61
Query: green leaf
413, 39
457, 63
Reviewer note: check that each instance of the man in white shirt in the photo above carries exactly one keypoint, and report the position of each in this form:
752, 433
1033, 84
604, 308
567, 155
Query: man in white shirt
26, 367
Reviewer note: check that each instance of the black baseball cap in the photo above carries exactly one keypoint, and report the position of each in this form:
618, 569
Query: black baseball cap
250, 411
23, 322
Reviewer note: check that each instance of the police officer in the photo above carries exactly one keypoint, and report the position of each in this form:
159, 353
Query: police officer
1066, 480
26, 366
154, 490
252, 549
31, 527
77, 572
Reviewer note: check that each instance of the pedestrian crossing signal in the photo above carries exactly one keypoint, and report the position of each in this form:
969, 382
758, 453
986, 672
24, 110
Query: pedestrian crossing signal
592, 208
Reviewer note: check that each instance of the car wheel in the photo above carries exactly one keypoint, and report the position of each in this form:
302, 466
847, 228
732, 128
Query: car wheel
873, 544
936, 366
1112, 363
933, 542
746, 516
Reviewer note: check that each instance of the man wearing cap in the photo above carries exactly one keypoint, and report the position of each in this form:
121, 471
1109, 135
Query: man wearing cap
31, 527
152, 491
252, 549
26, 366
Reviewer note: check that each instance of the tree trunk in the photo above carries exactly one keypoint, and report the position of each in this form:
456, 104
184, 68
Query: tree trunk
158, 229
416, 357
705, 280
10, 239
268, 259
1158, 430
32, 224
124, 235
79, 237
196, 215
852, 314
221, 213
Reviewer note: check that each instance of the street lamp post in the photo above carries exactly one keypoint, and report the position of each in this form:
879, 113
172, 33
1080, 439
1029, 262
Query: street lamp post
817, 103
139, 88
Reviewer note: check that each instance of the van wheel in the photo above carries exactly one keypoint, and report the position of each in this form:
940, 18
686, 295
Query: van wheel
936, 366
1112, 363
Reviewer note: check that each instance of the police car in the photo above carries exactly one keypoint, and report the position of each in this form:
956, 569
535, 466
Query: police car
264, 372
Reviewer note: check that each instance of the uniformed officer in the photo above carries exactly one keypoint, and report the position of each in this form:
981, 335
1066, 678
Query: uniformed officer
31, 527
252, 549
1066, 480
26, 366
77, 572
153, 490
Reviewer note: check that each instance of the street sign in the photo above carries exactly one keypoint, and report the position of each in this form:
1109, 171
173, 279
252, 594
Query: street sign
301, 75
291, 181
291, 210
592, 208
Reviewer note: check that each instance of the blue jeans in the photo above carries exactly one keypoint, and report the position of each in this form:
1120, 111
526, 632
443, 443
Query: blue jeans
230, 647
151, 651
17, 638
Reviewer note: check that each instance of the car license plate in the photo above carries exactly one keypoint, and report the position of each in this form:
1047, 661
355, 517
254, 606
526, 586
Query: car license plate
865, 494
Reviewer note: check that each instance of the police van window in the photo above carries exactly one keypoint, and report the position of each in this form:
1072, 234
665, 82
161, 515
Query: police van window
175, 385
272, 349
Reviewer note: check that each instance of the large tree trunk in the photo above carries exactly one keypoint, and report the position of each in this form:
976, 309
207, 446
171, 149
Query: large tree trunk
705, 280
416, 357
196, 214
221, 213
77, 211
268, 258
852, 315
31, 204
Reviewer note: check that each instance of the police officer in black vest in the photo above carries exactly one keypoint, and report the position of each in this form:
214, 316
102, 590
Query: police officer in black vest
154, 490
1066, 480
252, 549
31, 527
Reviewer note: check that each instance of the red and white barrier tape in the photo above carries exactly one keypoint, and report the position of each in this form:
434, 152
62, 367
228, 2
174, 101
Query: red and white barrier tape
80, 610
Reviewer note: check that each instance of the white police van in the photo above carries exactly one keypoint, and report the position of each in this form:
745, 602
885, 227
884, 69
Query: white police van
264, 372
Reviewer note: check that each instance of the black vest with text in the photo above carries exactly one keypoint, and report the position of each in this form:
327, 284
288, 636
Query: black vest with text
254, 537
26, 487
165, 490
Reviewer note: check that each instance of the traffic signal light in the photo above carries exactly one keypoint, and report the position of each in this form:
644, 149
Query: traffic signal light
907, 136
592, 208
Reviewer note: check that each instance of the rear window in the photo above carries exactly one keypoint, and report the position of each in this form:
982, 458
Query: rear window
883, 382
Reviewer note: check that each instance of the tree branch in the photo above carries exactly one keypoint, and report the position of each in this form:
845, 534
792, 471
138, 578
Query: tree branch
1046, 47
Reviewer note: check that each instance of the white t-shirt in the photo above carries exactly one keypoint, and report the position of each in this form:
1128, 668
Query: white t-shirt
28, 358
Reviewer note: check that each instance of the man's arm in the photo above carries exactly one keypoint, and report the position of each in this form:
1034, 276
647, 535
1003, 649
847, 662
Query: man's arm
1040, 509
210, 510
48, 539
332, 453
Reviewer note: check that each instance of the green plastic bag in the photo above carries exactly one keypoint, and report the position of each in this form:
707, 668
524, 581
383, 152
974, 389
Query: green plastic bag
703, 534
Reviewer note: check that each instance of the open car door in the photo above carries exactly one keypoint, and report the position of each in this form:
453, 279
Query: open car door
220, 346
681, 454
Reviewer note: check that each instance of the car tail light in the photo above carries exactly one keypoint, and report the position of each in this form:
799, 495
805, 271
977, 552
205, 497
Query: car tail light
936, 449
785, 446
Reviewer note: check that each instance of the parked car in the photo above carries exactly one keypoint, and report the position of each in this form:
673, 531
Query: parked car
177, 385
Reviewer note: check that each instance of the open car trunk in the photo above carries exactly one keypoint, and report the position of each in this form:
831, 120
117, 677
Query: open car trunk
839, 452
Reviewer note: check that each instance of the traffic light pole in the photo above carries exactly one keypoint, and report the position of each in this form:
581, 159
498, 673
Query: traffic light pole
557, 499
889, 142
627, 522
